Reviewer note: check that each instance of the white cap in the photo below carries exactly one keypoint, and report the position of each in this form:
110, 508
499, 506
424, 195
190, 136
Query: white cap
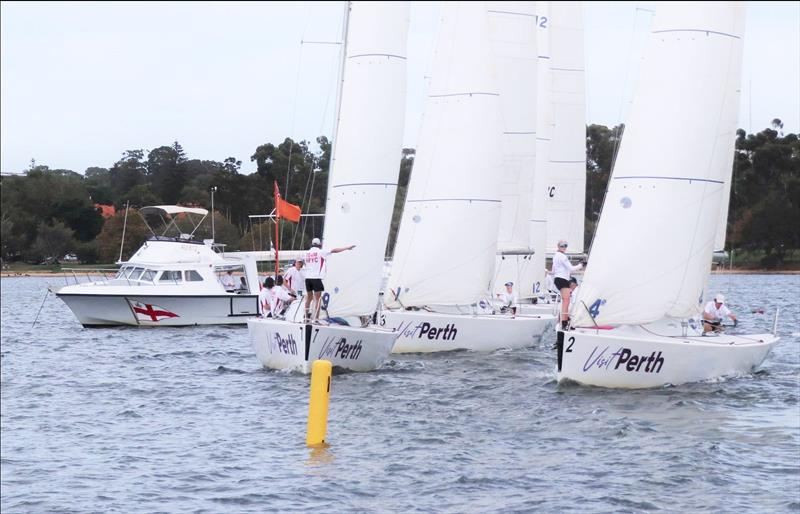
561, 243
720, 298
316, 241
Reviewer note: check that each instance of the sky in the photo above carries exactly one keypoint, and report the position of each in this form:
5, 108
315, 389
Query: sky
82, 82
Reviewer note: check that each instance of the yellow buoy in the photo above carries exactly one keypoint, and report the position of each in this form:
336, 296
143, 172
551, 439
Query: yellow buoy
318, 403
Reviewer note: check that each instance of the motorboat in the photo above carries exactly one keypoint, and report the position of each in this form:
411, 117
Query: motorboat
170, 281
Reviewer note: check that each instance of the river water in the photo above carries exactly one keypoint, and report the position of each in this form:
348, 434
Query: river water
185, 420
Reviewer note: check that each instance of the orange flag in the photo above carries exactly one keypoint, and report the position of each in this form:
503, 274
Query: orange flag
284, 209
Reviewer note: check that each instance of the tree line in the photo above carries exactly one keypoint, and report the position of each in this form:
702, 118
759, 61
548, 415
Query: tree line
47, 214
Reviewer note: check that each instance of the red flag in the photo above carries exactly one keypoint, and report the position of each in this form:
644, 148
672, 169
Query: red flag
284, 209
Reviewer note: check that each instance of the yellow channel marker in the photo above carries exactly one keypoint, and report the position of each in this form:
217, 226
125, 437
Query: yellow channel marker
318, 403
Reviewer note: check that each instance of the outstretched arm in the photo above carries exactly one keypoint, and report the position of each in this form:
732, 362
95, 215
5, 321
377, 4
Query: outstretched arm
343, 248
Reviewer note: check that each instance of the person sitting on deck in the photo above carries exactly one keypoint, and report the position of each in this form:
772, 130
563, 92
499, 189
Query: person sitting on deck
713, 314
508, 299
266, 298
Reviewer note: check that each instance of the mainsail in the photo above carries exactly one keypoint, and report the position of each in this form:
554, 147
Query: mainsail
652, 252
512, 30
368, 147
448, 233
566, 163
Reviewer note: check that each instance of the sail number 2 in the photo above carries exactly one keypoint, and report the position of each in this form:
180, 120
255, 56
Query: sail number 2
571, 341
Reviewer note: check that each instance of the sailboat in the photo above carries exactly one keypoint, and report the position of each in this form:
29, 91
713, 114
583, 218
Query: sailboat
632, 324
565, 151
445, 254
520, 250
559, 181
360, 199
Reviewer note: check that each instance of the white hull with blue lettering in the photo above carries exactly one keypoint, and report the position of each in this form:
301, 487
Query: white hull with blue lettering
633, 357
290, 346
423, 332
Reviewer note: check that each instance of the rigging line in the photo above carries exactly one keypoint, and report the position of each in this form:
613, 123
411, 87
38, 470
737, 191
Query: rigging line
294, 107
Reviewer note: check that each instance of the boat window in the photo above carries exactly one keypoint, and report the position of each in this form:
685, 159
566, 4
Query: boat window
193, 276
148, 275
170, 276
135, 273
232, 278
123, 272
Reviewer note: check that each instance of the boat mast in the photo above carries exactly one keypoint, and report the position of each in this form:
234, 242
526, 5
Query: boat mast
345, 24
124, 226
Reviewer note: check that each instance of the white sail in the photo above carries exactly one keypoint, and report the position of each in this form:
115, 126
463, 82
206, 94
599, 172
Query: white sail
368, 148
512, 30
566, 188
652, 251
448, 233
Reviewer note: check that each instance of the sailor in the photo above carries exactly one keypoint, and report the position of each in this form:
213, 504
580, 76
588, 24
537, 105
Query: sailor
266, 300
228, 282
316, 261
573, 293
508, 299
283, 298
562, 272
293, 278
714, 312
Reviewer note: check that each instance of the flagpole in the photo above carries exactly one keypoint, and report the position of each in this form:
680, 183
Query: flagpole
277, 229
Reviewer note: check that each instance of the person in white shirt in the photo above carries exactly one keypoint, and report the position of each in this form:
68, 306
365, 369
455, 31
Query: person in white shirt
316, 261
562, 272
714, 312
283, 298
293, 278
228, 282
508, 300
266, 300
573, 293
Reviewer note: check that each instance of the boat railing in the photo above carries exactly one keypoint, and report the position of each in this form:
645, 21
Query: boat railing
87, 275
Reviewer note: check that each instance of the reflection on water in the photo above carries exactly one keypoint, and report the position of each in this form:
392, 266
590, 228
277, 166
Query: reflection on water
184, 419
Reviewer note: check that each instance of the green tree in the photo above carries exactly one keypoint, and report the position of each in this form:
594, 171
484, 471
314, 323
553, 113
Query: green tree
108, 241
166, 172
53, 242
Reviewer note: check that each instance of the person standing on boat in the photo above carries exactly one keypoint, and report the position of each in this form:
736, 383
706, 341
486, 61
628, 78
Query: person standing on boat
228, 282
508, 299
293, 279
714, 313
562, 272
266, 300
316, 261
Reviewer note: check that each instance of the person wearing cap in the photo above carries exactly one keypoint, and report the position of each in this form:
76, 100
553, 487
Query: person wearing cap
315, 269
714, 312
293, 278
508, 300
562, 272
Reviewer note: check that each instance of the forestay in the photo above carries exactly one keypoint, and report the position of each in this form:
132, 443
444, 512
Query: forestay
512, 31
368, 148
652, 252
566, 167
448, 234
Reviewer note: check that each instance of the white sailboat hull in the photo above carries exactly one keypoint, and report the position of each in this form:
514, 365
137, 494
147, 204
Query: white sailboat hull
104, 310
423, 332
632, 358
285, 345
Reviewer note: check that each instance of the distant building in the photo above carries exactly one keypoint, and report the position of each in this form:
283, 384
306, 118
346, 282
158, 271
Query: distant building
107, 211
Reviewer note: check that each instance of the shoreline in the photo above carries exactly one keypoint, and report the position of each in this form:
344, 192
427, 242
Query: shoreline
22, 274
